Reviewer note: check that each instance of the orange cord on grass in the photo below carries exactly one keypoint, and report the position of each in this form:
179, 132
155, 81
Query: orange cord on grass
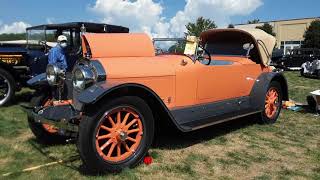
40, 166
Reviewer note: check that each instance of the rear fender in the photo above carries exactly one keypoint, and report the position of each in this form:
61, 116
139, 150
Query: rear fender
260, 88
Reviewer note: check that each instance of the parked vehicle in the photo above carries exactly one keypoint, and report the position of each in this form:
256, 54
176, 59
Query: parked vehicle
297, 57
23, 59
311, 69
120, 90
276, 57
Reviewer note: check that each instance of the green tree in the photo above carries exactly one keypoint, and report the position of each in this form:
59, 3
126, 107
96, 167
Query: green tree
267, 28
312, 35
177, 48
201, 24
10, 37
254, 21
230, 26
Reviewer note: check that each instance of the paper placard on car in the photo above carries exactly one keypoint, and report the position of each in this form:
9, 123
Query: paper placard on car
191, 45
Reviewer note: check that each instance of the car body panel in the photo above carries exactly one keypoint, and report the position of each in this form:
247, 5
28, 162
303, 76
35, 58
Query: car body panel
193, 93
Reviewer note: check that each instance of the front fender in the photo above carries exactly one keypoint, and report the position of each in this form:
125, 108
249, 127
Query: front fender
38, 80
97, 92
100, 90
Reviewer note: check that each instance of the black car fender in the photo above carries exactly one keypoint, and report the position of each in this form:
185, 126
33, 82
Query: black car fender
261, 85
101, 92
39, 80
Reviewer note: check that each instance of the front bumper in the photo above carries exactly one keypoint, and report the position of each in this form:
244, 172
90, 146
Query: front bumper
65, 118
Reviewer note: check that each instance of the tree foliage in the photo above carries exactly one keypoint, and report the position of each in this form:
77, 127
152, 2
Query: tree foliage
254, 21
193, 29
11, 37
312, 35
177, 48
267, 28
230, 26
201, 24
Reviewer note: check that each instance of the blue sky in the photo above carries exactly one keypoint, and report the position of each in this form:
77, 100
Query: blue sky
35, 12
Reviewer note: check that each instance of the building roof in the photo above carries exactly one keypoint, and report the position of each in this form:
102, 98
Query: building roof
294, 19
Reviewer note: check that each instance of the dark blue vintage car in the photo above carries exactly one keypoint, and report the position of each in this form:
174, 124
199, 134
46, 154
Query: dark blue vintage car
21, 60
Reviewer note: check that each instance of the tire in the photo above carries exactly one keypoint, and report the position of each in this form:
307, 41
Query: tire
302, 72
271, 115
95, 158
8, 82
45, 134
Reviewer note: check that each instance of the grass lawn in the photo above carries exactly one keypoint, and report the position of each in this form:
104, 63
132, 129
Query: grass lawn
241, 149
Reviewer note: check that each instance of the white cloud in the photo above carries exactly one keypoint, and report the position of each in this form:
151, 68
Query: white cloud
50, 20
140, 15
15, 27
147, 15
218, 10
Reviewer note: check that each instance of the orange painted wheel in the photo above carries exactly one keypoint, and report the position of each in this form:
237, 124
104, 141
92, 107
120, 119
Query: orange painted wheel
45, 134
49, 128
119, 134
272, 103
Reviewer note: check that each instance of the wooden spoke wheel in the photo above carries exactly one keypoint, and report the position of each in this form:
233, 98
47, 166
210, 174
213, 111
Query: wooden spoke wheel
272, 103
49, 128
116, 135
119, 134
45, 133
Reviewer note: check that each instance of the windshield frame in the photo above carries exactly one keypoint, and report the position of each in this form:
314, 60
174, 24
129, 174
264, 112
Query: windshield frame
73, 41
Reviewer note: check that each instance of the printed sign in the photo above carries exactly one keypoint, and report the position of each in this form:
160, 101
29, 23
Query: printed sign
191, 46
11, 59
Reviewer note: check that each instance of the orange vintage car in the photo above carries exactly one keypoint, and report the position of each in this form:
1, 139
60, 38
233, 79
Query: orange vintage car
120, 91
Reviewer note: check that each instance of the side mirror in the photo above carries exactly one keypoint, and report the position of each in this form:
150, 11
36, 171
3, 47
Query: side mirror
248, 47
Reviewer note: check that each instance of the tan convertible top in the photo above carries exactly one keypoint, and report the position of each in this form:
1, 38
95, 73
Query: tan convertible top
259, 38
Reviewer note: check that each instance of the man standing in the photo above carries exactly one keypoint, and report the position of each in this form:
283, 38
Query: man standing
57, 55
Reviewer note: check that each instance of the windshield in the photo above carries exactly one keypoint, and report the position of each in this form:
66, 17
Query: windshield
46, 39
169, 45
35, 37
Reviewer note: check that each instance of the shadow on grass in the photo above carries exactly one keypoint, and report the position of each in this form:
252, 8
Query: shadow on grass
41, 149
23, 96
173, 139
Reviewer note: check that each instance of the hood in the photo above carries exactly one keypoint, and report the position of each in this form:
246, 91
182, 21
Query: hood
113, 45
130, 67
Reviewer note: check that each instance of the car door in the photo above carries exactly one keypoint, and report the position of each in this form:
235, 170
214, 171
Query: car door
219, 81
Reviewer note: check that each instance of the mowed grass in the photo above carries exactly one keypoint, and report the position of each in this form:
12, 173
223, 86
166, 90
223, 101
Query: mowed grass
241, 149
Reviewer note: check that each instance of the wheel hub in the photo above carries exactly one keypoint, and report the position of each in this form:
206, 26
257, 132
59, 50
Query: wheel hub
122, 136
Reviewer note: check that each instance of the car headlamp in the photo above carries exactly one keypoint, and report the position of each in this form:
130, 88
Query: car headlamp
53, 74
83, 77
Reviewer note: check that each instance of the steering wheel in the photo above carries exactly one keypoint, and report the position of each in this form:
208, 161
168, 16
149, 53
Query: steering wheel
207, 56
42, 43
